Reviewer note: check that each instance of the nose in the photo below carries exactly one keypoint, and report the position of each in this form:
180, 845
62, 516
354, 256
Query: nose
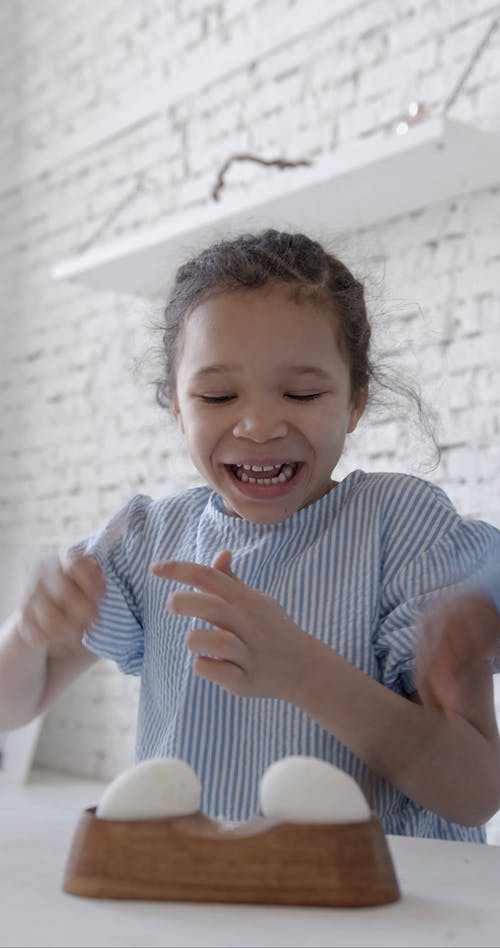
260, 423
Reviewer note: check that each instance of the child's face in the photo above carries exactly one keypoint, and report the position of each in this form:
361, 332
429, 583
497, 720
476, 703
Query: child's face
261, 383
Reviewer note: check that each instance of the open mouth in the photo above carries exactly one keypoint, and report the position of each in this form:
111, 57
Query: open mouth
265, 475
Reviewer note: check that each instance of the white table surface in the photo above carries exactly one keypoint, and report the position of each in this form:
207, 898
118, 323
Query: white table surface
450, 893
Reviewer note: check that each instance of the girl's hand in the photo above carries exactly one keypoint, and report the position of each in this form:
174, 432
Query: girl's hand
458, 638
253, 648
62, 601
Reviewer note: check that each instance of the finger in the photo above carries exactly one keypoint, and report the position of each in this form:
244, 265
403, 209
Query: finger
427, 694
230, 677
438, 687
202, 577
65, 579
55, 612
222, 562
218, 644
31, 633
86, 573
60, 591
202, 606
423, 671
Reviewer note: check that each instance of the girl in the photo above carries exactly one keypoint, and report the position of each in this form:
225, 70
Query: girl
272, 611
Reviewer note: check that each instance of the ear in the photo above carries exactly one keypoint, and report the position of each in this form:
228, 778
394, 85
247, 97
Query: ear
358, 406
176, 414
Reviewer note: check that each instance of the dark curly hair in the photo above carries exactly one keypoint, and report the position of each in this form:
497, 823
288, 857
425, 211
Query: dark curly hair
308, 270
263, 259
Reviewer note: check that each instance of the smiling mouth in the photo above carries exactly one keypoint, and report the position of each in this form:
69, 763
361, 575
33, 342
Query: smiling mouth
266, 475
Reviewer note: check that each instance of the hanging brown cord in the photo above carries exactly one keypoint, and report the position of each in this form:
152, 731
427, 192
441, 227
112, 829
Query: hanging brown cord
277, 162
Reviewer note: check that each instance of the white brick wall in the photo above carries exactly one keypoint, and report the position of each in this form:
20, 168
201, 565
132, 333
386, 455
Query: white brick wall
79, 431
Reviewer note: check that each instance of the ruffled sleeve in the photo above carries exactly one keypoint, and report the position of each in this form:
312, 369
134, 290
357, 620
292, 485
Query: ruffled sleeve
117, 633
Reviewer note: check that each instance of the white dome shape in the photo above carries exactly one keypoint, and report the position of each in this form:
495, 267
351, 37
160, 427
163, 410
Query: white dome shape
309, 790
160, 787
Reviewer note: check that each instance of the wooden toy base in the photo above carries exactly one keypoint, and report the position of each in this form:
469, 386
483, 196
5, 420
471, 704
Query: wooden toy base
196, 859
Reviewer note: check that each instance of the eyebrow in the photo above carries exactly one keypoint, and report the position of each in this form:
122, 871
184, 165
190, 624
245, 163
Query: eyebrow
315, 370
213, 370
208, 370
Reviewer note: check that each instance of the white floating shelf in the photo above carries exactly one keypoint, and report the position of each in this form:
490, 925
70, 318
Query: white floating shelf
356, 186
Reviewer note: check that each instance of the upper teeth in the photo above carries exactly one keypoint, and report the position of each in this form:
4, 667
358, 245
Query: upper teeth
286, 471
257, 467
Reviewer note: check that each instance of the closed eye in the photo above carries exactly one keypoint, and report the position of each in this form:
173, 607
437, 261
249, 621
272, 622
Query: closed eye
222, 399
215, 399
304, 398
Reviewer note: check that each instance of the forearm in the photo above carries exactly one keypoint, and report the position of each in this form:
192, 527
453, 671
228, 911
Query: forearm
443, 762
23, 676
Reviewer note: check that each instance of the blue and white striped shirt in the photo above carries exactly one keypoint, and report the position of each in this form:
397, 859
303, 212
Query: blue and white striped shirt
352, 569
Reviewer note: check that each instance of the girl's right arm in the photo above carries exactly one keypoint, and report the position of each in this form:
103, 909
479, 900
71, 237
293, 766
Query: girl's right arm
41, 648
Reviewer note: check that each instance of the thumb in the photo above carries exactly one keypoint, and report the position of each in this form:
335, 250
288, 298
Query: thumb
222, 562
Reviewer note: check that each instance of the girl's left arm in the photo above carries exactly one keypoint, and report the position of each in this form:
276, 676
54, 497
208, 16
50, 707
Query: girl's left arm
448, 762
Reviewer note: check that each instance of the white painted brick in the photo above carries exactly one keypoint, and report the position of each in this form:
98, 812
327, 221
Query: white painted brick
478, 279
78, 433
213, 156
458, 392
363, 119
460, 467
473, 351
394, 72
487, 386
